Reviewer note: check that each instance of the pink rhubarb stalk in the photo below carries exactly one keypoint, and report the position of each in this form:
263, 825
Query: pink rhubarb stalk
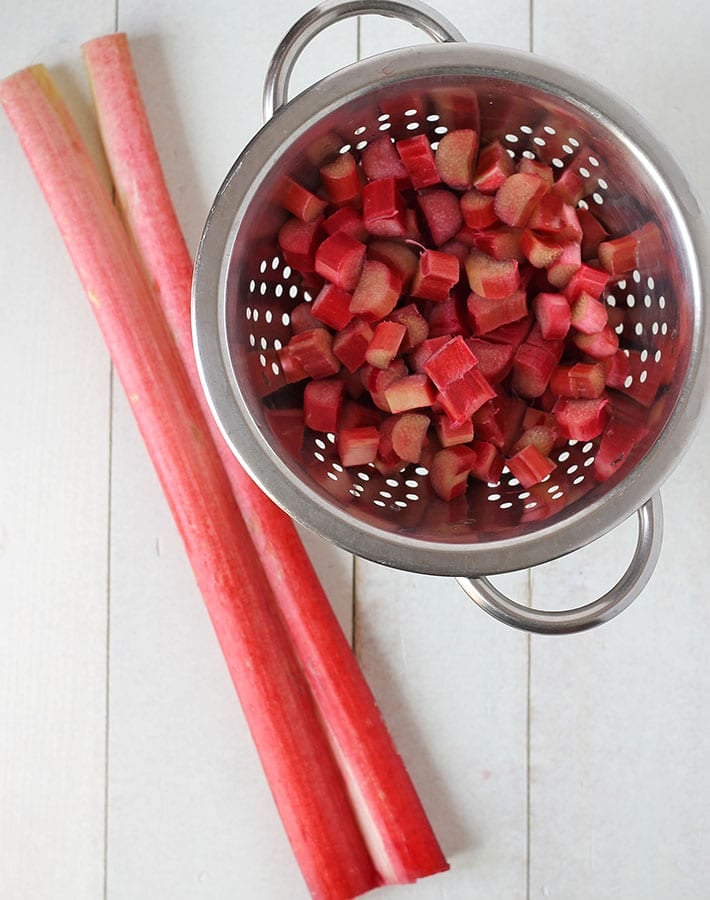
306, 784
394, 824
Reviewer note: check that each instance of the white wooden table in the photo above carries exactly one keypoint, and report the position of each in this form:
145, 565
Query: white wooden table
560, 768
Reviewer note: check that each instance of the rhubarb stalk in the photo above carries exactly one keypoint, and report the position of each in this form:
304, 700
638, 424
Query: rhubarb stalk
305, 781
393, 822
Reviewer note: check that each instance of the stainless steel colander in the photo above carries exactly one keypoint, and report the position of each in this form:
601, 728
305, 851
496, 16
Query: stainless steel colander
244, 292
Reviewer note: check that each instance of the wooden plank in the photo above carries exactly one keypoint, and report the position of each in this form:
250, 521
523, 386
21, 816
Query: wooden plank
53, 525
620, 790
190, 813
451, 682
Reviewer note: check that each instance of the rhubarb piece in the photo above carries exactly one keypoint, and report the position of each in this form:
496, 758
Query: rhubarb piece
348, 220
396, 830
448, 318
351, 343
581, 420
341, 179
385, 344
517, 197
487, 315
322, 400
494, 360
260, 656
553, 315
450, 435
494, 166
398, 256
580, 381
569, 187
339, 259
546, 217
409, 435
492, 278
539, 251
436, 275
617, 442
455, 158
314, 351
290, 365
477, 209
302, 318
617, 369
450, 362
587, 314
332, 306
418, 357
502, 242
376, 381
488, 463
461, 398
377, 291
409, 392
529, 466
417, 327
588, 279
442, 214
383, 209
514, 333
449, 471
536, 167
542, 437
599, 345
357, 446
532, 369
381, 160
418, 158
358, 415
562, 270
593, 233
299, 200
299, 241
619, 255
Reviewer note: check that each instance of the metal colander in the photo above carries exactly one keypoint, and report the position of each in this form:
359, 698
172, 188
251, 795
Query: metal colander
244, 293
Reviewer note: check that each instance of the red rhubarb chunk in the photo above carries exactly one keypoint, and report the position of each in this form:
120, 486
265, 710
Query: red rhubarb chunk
517, 197
351, 343
599, 345
580, 381
299, 241
417, 327
322, 400
418, 159
418, 357
532, 369
299, 200
529, 466
357, 446
381, 160
452, 435
581, 420
377, 291
447, 318
564, 267
461, 398
450, 362
383, 209
346, 219
540, 252
339, 260
569, 187
449, 471
385, 344
493, 167
617, 442
436, 275
398, 256
588, 279
341, 178
332, 306
487, 315
489, 462
587, 314
593, 233
536, 167
302, 318
442, 214
314, 351
409, 435
455, 158
620, 255
553, 315
494, 360
501, 242
477, 209
492, 278
410, 392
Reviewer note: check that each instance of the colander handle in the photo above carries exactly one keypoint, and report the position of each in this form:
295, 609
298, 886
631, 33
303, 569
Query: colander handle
629, 586
308, 26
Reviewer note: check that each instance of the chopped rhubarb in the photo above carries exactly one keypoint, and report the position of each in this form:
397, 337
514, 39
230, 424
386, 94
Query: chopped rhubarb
351, 343
397, 255
381, 160
461, 398
536, 167
488, 463
332, 306
290, 365
581, 420
339, 259
530, 466
448, 318
451, 435
410, 392
322, 400
617, 442
341, 178
442, 214
502, 242
543, 437
493, 167
302, 318
314, 351
419, 356
417, 327
385, 343
546, 217
299, 241
456, 156
588, 279
617, 369
494, 360
449, 471
477, 209
377, 381
492, 278
532, 369
517, 197
298, 200
553, 315
377, 292
436, 275
564, 267
487, 315
569, 187
409, 435
620, 255
418, 158
383, 208
593, 233
580, 381
599, 345
357, 446
541, 252
450, 362
346, 219
587, 314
